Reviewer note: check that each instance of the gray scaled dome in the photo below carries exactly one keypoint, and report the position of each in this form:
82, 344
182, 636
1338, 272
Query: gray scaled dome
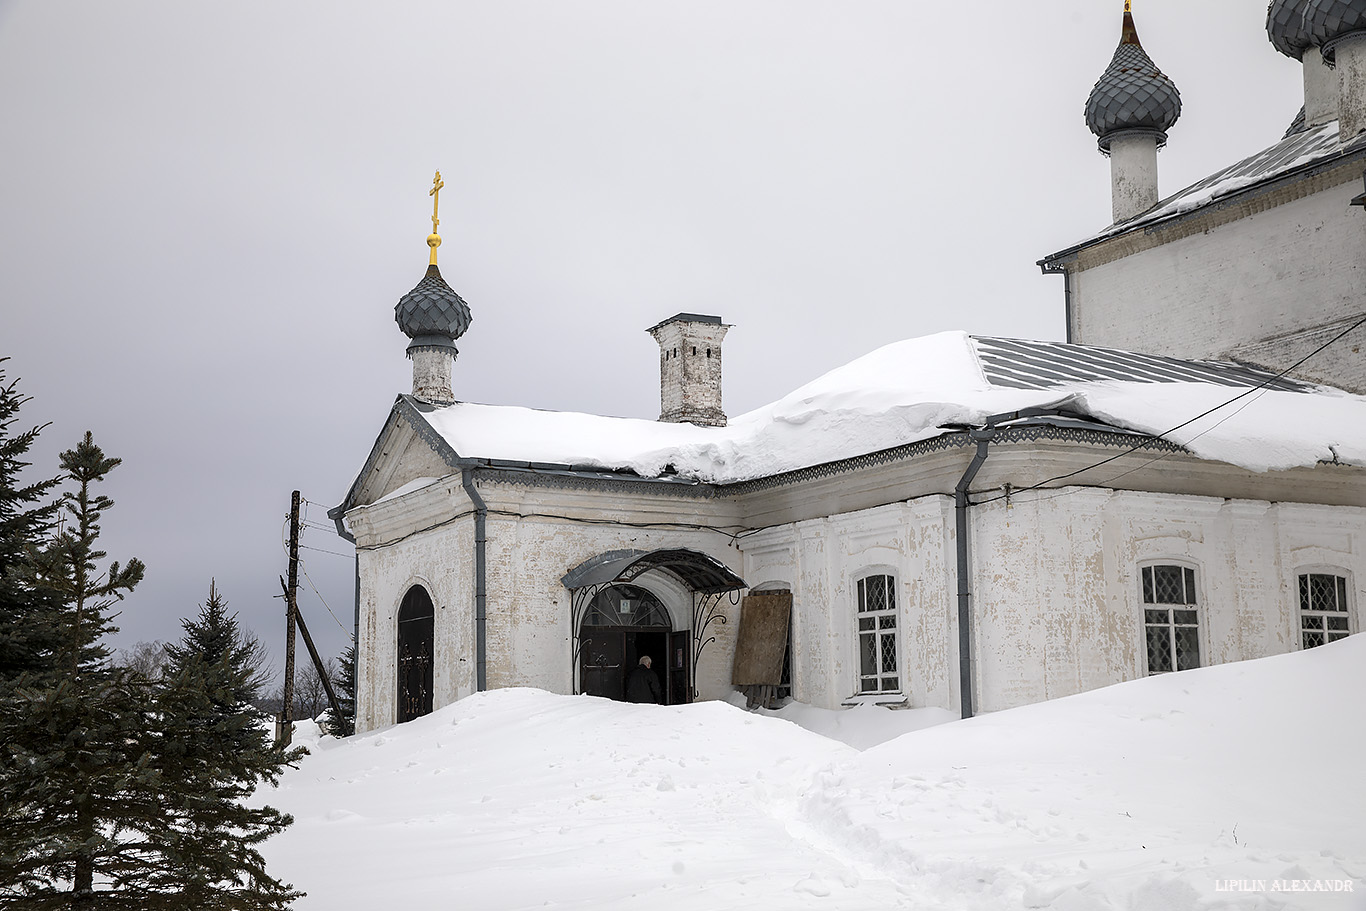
1286, 28
1329, 21
432, 314
1132, 94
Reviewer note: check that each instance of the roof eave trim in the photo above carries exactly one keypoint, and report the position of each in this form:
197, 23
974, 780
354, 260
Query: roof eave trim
1049, 264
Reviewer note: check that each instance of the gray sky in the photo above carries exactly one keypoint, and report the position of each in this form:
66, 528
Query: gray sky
208, 211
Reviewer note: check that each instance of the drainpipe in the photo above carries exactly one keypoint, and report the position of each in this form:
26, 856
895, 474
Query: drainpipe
481, 512
1052, 267
982, 436
1067, 302
960, 513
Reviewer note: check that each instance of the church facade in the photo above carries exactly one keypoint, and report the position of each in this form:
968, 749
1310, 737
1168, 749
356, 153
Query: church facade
1261, 261
962, 522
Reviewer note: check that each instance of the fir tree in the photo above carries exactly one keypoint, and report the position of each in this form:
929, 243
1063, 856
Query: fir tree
27, 636
79, 793
215, 636
117, 792
216, 749
344, 685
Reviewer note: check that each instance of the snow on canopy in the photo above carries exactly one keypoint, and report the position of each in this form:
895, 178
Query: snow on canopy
921, 388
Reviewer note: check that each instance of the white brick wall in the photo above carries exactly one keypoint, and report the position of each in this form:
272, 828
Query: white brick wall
1056, 587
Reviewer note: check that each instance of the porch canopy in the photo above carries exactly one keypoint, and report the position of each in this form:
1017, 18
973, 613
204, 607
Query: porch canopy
702, 573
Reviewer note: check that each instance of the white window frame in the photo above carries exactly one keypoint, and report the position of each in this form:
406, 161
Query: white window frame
885, 626
1194, 603
1346, 592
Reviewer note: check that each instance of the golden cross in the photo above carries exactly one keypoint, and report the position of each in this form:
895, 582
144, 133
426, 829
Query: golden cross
434, 239
1128, 6
435, 194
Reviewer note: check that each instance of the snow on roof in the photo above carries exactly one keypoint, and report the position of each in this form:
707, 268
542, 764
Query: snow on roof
918, 389
1312, 146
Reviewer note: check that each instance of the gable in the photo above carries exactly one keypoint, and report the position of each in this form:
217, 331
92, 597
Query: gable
405, 451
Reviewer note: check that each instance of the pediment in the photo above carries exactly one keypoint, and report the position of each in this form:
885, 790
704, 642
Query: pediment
406, 449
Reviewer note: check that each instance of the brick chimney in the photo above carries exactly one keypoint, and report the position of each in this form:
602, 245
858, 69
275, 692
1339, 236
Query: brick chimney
690, 369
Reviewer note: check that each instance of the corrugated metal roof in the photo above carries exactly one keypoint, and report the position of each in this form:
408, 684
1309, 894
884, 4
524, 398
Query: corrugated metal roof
1023, 364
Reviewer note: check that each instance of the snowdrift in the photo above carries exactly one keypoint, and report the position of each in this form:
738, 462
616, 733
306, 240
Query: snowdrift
1227, 787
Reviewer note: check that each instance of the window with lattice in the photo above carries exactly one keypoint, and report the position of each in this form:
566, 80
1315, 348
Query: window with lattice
877, 635
1323, 609
1171, 618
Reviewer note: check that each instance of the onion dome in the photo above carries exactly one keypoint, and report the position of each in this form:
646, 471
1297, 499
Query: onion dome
1329, 21
1286, 28
432, 314
1132, 95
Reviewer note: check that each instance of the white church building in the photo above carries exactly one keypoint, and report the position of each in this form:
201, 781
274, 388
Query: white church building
963, 522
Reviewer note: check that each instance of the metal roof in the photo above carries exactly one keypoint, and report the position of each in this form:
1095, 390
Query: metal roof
1286, 28
687, 318
698, 571
1329, 21
1132, 94
432, 313
1023, 364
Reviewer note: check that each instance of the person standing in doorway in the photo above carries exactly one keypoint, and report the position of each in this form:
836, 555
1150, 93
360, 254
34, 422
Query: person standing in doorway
643, 684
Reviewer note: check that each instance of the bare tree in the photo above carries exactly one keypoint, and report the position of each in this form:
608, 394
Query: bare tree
146, 658
257, 662
310, 696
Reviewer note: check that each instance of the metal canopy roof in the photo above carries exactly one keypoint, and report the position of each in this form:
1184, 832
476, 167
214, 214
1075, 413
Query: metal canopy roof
694, 569
1020, 364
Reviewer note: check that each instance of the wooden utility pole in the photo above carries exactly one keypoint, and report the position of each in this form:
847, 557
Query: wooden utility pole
286, 731
317, 659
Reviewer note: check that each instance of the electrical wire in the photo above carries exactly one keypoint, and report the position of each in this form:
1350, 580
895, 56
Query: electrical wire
321, 551
349, 634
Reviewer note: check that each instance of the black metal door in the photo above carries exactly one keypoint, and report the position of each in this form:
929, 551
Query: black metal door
601, 671
680, 681
415, 649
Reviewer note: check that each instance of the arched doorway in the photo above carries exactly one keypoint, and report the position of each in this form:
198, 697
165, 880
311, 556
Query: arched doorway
678, 574
415, 647
622, 624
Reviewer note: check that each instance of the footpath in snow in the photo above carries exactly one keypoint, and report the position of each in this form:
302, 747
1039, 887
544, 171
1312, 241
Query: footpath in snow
1234, 787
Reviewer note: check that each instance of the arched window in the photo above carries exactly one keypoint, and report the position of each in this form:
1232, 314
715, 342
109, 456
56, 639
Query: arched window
877, 648
415, 648
1171, 618
627, 605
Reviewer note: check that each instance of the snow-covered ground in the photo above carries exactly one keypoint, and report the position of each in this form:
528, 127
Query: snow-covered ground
1216, 788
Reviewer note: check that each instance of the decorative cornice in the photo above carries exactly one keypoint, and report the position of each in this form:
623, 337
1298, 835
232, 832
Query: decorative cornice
574, 480
1020, 434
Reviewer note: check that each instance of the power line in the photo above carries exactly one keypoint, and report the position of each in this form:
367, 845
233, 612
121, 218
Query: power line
321, 551
350, 635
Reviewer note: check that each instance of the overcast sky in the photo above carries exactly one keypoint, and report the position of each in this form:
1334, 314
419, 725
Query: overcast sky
208, 211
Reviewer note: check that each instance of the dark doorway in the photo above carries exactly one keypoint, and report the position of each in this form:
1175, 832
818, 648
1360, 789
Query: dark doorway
415, 648
624, 623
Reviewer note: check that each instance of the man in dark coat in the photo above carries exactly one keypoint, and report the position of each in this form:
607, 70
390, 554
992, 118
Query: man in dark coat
643, 684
